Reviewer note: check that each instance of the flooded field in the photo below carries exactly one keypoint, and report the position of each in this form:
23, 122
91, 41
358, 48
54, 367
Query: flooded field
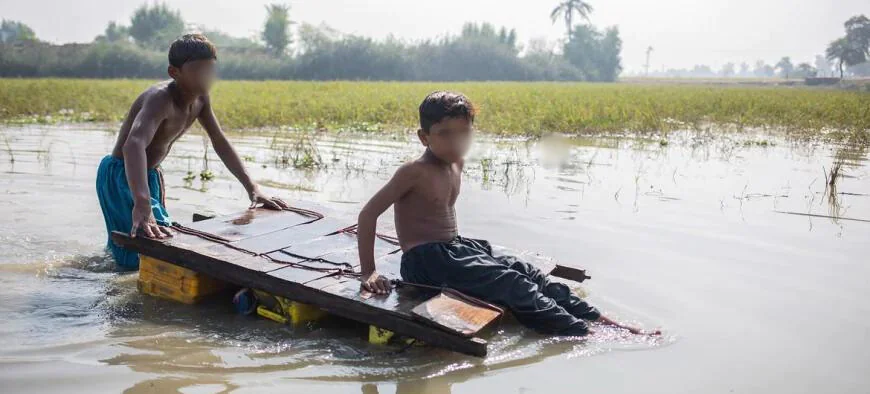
749, 251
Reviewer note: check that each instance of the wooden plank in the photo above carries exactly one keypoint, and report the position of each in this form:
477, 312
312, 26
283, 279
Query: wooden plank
280, 256
298, 275
349, 256
249, 223
198, 217
317, 247
182, 240
401, 300
570, 273
388, 312
453, 313
329, 281
266, 243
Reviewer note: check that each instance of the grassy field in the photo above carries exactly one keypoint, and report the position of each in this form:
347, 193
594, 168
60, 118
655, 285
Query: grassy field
506, 107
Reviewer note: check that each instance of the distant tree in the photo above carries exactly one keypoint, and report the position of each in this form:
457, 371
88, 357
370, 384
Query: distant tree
785, 67
540, 46
276, 30
610, 59
858, 32
823, 67
763, 70
114, 33
507, 37
566, 11
845, 52
805, 70
702, 70
854, 48
223, 40
312, 38
596, 55
727, 70
744, 69
861, 70
487, 32
12, 31
156, 26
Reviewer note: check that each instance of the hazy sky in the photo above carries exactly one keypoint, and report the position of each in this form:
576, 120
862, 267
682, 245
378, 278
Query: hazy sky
682, 32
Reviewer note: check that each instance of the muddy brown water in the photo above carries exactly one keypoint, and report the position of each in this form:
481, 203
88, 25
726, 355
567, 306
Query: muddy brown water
685, 235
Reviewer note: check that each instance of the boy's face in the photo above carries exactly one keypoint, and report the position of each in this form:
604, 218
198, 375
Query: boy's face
195, 76
448, 139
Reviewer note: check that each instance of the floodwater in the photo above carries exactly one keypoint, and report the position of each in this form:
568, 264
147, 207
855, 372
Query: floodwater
687, 234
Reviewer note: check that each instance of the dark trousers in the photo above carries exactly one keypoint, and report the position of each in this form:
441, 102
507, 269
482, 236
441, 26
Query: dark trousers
468, 265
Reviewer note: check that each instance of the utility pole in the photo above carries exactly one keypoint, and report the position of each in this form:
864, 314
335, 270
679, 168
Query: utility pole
646, 66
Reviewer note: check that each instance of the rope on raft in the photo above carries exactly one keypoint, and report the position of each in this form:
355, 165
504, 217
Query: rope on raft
342, 268
353, 230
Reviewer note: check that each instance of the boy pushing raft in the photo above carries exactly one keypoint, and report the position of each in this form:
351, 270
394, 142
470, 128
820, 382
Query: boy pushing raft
129, 181
423, 193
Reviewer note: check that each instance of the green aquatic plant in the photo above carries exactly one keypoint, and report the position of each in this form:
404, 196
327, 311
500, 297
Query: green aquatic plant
206, 175
9, 149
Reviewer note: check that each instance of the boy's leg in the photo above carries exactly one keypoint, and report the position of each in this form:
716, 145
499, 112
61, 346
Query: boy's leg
470, 269
559, 292
116, 203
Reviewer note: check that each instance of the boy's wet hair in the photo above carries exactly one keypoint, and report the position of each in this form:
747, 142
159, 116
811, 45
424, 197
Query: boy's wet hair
191, 47
443, 104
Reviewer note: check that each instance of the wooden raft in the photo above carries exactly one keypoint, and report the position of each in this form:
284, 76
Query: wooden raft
294, 256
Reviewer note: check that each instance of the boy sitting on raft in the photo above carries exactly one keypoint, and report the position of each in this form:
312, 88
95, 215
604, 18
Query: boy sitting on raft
129, 181
424, 192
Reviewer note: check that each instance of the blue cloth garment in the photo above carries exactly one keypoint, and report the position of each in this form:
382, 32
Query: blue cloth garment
469, 266
116, 200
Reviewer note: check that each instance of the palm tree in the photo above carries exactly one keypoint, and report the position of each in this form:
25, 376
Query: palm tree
567, 9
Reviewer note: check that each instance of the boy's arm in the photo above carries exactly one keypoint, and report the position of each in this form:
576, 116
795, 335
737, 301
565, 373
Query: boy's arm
145, 125
231, 159
402, 182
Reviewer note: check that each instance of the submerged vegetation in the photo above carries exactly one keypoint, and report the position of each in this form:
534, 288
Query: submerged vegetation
506, 108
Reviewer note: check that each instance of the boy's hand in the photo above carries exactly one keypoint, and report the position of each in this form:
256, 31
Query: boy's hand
143, 220
269, 202
375, 283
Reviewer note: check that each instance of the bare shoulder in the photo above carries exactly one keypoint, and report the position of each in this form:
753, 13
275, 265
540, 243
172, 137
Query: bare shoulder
157, 98
411, 170
408, 174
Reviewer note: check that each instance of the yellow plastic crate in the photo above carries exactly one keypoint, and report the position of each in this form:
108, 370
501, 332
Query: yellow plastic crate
163, 268
159, 289
379, 336
187, 281
165, 280
283, 310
